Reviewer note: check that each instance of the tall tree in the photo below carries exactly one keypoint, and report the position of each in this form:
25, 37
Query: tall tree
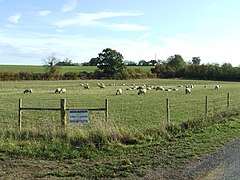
177, 63
50, 63
111, 63
93, 62
196, 60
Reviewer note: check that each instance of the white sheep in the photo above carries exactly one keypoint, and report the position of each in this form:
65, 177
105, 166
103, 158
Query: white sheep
63, 90
101, 85
58, 90
86, 86
217, 87
187, 90
29, 90
119, 92
142, 91
159, 88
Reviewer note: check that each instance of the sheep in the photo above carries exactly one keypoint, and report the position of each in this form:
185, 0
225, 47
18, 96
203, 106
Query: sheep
142, 91
60, 90
86, 86
29, 90
63, 90
119, 92
159, 88
187, 90
217, 87
101, 85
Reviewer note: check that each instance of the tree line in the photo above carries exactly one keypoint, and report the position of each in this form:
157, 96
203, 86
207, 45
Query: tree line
110, 65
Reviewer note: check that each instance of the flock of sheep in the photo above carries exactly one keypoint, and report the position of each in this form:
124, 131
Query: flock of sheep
142, 89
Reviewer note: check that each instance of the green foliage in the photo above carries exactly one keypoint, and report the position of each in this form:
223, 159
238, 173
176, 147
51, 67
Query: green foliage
111, 63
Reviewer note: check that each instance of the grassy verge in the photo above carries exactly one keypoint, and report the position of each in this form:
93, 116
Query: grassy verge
178, 145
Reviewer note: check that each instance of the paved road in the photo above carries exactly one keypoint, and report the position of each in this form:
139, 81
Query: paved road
222, 165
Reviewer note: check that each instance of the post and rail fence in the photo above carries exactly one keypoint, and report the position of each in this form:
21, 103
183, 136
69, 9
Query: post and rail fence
63, 111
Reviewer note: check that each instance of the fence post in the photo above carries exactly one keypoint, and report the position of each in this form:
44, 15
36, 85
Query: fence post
63, 112
20, 114
106, 110
206, 106
168, 111
228, 100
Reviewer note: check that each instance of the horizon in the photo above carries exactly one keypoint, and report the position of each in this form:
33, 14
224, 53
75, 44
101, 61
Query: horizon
138, 29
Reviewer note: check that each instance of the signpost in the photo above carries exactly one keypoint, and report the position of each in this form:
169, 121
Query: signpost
78, 116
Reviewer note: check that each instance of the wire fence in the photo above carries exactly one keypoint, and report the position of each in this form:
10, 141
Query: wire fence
124, 113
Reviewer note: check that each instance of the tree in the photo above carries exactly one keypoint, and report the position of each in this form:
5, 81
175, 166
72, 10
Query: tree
153, 62
51, 66
177, 63
196, 60
143, 63
93, 62
65, 62
111, 63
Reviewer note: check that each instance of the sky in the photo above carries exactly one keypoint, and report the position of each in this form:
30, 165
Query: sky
31, 31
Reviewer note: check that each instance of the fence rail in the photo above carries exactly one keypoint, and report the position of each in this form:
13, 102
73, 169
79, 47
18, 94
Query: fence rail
63, 108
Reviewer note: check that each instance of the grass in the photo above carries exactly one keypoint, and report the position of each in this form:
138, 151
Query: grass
134, 135
63, 69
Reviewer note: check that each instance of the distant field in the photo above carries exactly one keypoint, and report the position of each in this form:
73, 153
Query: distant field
41, 69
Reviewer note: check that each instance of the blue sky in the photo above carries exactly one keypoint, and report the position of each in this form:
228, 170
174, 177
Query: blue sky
78, 29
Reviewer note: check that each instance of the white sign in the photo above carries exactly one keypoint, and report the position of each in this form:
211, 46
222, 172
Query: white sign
78, 116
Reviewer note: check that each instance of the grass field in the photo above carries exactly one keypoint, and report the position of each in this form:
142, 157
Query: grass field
132, 111
99, 149
63, 69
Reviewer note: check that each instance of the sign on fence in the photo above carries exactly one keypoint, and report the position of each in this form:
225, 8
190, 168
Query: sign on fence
78, 116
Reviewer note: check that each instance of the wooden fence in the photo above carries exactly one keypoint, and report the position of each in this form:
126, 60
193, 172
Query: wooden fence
206, 107
63, 111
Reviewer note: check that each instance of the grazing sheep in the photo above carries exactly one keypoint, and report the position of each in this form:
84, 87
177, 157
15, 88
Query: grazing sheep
142, 91
101, 85
63, 90
217, 87
205, 86
119, 92
187, 90
159, 88
28, 91
86, 86
60, 90
175, 89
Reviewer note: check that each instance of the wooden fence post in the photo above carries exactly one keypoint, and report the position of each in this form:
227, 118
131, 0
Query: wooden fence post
20, 114
228, 100
168, 111
63, 112
106, 110
206, 106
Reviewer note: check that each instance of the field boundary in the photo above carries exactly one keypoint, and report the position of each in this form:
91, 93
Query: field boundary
63, 111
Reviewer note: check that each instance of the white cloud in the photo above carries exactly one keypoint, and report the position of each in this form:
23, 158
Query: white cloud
14, 19
44, 13
93, 19
69, 6
127, 27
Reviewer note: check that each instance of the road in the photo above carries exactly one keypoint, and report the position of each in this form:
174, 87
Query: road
221, 165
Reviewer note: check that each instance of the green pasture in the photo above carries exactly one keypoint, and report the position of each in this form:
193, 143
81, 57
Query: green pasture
63, 69
128, 111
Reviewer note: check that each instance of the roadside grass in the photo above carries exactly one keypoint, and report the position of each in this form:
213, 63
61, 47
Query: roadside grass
171, 151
